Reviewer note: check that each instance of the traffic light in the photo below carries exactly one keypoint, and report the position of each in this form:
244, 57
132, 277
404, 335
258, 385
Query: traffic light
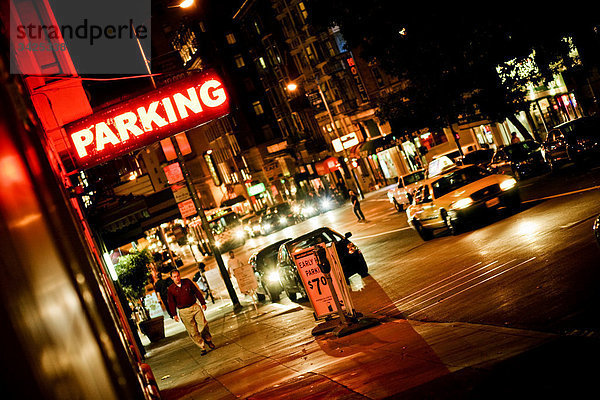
456, 136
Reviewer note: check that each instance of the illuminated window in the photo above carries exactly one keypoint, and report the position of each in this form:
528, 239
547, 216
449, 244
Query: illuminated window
230, 37
262, 63
302, 9
239, 61
258, 109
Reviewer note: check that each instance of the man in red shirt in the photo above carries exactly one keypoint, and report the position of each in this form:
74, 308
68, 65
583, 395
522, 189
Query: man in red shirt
184, 295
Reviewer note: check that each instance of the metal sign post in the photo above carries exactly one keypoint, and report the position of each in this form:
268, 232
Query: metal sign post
323, 278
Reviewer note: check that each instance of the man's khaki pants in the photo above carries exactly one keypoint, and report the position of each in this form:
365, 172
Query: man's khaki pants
196, 325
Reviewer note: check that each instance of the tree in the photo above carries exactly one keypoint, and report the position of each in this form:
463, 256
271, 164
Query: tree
133, 274
449, 56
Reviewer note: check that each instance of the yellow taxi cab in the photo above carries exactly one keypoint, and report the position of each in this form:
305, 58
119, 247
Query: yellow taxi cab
458, 194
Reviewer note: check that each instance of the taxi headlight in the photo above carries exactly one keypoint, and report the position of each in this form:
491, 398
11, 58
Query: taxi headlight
272, 276
282, 220
325, 203
240, 234
462, 203
217, 243
266, 226
508, 184
296, 209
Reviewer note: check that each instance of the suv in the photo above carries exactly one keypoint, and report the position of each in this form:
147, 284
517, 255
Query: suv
449, 199
401, 196
573, 141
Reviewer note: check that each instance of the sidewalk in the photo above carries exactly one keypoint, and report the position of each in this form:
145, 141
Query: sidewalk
271, 354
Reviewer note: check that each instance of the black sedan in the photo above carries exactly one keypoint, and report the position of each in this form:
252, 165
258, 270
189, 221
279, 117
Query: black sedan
521, 160
264, 263
573, 141
351, 258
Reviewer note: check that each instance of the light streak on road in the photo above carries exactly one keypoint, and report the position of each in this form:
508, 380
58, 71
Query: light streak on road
476, 284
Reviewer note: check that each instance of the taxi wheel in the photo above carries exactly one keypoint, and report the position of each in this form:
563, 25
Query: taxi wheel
398, 207
424, 233
451, 225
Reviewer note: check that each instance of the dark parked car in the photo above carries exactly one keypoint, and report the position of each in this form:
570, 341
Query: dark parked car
521, 160
478, 157
573, 141
351, 258
277, 217
264, 263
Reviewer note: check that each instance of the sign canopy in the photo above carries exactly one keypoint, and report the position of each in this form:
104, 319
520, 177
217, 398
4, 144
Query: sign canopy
138, 122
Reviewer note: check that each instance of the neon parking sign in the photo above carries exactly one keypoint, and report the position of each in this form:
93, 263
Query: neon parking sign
138, 122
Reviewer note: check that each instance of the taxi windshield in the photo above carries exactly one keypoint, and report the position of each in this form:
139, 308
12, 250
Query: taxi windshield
457, 179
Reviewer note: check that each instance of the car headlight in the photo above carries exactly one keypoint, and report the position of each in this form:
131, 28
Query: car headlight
217, 243
390, 197
240, 234
266, 226
325, 203
508, 184
309, 210
256, 228
272, 276
462, 203
282, 220
296, 209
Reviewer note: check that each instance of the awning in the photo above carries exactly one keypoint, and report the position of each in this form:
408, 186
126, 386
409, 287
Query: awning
235, 200
381, 143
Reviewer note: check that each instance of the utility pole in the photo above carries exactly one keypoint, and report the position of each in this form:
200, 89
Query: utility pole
205, 226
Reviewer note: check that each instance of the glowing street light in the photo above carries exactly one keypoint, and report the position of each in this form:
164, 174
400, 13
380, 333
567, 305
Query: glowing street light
186, 3
292, 86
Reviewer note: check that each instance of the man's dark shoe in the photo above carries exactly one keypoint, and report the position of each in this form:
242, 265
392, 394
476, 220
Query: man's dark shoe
211, 345
203, 352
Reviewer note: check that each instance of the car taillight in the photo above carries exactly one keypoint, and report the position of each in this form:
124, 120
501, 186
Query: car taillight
352, 248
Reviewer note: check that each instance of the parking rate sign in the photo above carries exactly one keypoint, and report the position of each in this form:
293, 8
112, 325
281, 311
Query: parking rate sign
315, 284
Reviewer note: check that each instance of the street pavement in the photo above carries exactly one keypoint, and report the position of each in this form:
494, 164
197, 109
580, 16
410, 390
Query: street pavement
269, 352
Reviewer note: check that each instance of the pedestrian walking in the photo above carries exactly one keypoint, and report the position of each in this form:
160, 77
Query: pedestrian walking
356, 206
514, 138
184, 295
233, 263
161, 287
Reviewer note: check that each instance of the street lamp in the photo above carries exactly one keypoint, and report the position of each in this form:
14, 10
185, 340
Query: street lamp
291, 86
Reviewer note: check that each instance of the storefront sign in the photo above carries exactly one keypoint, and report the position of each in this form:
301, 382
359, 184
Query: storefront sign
277, 147
256, 189
132, 124
345, 142
214, 173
